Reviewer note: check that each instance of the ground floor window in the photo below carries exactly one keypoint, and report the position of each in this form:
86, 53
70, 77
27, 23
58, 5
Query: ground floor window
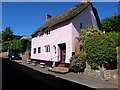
34, 51
39, 49
47, 48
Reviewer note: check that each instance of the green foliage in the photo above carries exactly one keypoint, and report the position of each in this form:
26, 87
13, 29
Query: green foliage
89, 31
100, 50
17, 37
15, 45
19, 46
5, 46
7, 34
111, 23
25, 45
115, 36
78, 62
85, 33
11, 42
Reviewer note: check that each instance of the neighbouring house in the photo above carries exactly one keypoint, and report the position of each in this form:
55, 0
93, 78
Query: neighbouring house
55, 39
26, 37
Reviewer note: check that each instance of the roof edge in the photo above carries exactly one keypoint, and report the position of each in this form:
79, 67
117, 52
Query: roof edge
88, 4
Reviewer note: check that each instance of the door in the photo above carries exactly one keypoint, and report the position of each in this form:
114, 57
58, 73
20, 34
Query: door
62, 52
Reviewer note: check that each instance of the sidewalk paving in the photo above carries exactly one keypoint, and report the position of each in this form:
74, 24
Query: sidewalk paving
75, 77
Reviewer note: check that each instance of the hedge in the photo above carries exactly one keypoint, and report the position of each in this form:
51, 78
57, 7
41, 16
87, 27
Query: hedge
100, 50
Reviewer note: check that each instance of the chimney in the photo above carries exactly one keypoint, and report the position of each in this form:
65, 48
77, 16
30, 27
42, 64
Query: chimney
86, 1
48, 16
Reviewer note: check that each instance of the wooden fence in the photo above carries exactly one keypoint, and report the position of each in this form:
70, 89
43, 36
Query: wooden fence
118, 53
78, 50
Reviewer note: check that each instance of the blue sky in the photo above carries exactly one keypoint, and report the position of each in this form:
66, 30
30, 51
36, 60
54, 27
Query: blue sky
25, 17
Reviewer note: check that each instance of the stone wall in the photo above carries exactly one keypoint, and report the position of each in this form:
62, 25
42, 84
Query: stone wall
102, 73
25, 56
4, 54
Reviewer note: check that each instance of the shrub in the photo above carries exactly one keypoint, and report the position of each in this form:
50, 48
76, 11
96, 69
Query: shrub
100, 50
111, 24
115, 36
87, 32
78, 63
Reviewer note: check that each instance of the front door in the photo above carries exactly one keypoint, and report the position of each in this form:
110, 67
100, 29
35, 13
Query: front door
62, 52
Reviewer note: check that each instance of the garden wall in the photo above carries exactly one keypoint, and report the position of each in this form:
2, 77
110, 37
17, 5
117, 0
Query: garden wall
25, 56
4, 54
102, 73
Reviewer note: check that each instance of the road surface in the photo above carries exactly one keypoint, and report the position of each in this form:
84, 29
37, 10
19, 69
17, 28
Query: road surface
16, 76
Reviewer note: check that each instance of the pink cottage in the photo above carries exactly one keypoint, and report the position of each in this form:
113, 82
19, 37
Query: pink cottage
55, 39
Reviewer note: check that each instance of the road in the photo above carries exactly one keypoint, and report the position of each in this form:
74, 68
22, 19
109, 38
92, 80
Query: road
16, 76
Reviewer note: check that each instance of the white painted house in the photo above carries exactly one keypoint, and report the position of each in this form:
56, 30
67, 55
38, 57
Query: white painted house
55, 39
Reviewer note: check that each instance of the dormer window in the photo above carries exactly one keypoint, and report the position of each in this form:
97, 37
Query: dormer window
47, 32
41, 34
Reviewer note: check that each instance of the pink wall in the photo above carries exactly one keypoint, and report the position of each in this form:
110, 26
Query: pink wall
59, 34
64, 32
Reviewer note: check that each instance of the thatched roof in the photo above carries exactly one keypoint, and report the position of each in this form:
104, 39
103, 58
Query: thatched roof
66, 15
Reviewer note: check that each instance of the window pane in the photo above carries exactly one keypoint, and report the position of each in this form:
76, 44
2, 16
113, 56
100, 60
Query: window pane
45, 48
48, 48
39, 49
34, 50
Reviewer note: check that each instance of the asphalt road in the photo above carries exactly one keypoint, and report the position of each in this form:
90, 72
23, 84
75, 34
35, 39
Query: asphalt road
16, 76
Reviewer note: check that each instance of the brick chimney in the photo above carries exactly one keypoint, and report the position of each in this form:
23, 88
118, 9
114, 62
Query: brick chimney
85, 0
48, 16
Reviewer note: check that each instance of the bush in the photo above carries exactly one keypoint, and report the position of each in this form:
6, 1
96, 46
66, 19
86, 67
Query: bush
78, 63
115, 36
111, 24
100, 50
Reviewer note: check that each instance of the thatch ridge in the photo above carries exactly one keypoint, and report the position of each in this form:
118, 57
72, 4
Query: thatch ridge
66, 15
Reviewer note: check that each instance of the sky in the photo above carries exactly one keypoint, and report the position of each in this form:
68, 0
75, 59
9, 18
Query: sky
25, 17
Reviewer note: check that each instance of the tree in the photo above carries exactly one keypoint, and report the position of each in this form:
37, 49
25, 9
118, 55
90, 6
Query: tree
85, 33
11, 42
7, 34
25, 45
19, 46
5, 46
111, 24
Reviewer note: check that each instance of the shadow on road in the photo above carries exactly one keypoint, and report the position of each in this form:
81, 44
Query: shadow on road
16, 76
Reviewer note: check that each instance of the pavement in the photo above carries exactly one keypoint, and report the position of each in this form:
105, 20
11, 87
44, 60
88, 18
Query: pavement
74, 77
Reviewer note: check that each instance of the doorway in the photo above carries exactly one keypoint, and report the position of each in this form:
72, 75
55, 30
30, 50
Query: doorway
62, 52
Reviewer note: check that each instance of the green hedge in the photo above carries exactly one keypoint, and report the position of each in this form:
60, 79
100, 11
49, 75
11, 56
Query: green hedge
115, 36
100, 50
